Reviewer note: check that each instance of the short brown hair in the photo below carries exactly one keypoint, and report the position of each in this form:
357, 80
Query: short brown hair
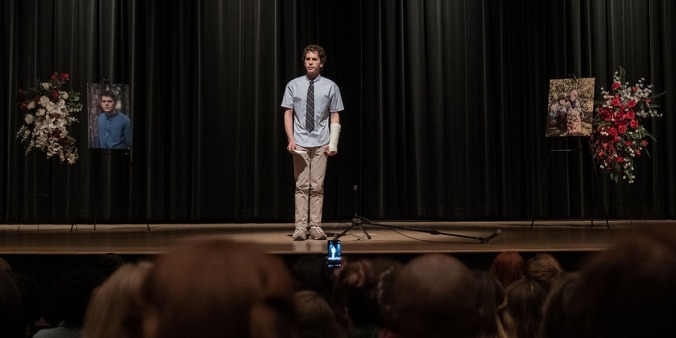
234, 286
315, 49
109, 94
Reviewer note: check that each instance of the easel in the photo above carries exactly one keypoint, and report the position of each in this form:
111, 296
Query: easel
112, 153
544, 178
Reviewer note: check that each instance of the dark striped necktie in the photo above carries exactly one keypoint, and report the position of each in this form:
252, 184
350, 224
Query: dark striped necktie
310, 110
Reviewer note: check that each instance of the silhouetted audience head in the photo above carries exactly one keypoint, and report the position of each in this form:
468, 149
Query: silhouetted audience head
11, 308
625, 291
558, 303
544, 269
218, 288
525, 299
68, 303
5, 266
491, 302
72, 291
31, 298
108, 263
362, 288
435, 296
386, 291
508, 267
310, 272
316, 318
112, 310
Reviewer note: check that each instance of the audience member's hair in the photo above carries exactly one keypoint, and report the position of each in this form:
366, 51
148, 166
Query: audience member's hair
11, 309
508, 267
557, 305
357, 289
310, 272
316, 319
108, 263
545, 269
112, 311
435, 297
626, 290
491, 301
218, 288
525, 299
71, 294
385, 291
5, 266
31, 298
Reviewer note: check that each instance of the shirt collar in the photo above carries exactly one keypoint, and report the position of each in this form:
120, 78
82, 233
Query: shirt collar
314, 80
111, 114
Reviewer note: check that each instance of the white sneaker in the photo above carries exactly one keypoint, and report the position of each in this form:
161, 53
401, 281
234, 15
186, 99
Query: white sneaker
316, 232
299, 235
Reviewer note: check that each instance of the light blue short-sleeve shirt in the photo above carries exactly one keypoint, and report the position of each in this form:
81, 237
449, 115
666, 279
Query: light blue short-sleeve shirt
327, 101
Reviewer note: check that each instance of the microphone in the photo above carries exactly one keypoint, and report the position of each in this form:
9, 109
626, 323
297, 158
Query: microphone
491, 236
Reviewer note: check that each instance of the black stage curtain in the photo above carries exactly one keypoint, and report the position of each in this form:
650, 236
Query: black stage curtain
446, 104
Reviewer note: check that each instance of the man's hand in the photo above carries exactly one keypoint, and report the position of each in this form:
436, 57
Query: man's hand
329, 152
291, 147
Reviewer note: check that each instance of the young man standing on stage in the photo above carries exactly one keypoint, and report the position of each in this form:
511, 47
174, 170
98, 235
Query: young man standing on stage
312, 105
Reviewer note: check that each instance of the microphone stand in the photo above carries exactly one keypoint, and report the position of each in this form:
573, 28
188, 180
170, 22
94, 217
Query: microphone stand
359, 221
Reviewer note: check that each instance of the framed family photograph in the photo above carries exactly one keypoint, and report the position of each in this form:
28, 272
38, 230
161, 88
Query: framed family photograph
570, 107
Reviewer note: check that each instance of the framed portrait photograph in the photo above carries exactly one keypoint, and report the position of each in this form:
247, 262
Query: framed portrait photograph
570, 107
109, 116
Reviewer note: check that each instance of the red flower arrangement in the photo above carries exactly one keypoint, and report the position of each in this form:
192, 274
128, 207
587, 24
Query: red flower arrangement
618, 136
46, 110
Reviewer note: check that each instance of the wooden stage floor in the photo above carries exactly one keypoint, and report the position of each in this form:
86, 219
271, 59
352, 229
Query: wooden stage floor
136, 239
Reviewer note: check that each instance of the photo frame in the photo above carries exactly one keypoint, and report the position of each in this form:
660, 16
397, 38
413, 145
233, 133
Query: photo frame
112, 129
570, 107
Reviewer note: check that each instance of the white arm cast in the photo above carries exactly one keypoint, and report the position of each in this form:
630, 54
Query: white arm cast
335, 135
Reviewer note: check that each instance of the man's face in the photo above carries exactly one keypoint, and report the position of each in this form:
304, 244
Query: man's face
312, 64
107, 103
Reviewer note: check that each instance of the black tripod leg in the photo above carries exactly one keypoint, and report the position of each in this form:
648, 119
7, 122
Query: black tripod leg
344, 231
603, 197
542, 183
357, 222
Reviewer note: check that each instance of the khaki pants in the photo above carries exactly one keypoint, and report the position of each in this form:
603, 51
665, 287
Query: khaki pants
309, 169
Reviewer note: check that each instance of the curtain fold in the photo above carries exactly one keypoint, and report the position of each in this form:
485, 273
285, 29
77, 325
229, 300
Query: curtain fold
445, 107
